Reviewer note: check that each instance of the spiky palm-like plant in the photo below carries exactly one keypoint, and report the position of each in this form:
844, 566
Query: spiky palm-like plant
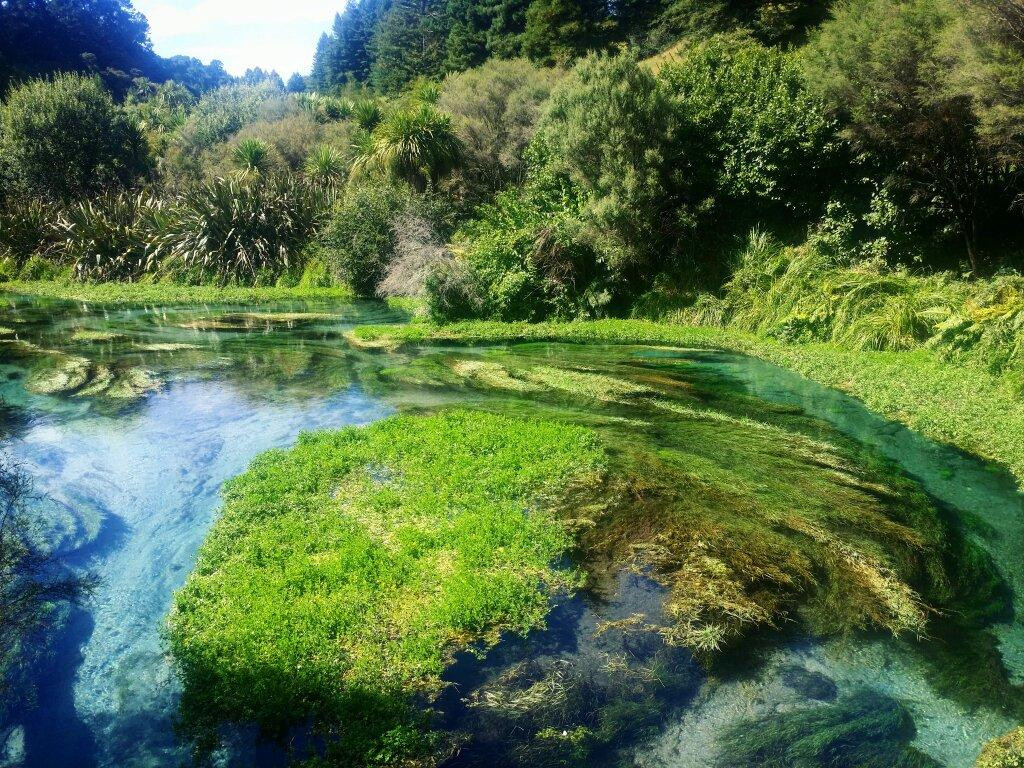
418, 145
252, 156
326, 167
367, 113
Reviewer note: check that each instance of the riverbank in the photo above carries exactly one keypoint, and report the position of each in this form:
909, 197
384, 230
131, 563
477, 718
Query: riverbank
126, 294
960, 404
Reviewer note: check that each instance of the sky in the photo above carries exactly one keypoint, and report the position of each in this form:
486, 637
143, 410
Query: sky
272, 34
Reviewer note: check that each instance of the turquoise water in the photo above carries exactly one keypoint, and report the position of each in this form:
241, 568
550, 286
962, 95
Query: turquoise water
132, 419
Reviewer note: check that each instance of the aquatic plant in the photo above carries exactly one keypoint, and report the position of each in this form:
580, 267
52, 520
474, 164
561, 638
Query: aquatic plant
1005, 752
862, 730
384, 550
801, 528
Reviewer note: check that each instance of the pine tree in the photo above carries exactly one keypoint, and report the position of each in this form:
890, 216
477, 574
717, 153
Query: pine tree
319, 75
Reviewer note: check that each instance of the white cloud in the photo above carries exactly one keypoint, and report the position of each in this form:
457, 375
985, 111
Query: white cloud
241, 33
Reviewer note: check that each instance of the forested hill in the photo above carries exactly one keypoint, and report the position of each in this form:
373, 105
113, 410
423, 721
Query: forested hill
105, 37
387, 43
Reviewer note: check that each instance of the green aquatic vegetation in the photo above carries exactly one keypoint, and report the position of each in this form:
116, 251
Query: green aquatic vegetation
576, 711
862, 730
1005, 752
344, 573
55, 373
92, 334
58, 372
960, 403
747, 523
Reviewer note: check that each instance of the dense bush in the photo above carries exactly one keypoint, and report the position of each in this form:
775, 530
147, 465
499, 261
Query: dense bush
610, 133
239, 230
359, 239
65, 137
219, 115
885, 69
495, 109
773, 149
25, 229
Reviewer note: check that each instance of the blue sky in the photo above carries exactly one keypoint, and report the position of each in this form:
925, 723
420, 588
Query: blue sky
272, 34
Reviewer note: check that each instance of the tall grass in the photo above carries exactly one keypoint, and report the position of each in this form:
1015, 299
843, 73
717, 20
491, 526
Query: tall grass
801, 294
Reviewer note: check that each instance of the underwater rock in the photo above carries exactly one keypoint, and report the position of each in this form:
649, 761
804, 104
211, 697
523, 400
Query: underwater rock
12, 747
1005, 752
101, 379
812, 685
861, 730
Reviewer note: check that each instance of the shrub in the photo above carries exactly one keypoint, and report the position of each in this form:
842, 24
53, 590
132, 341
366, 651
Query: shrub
239, 230
367, 114
523, 258
495, 109
26, 229
360, 237
65, 137
109, 238
609, 134
773, 147
326, 166
222, 113
38, 268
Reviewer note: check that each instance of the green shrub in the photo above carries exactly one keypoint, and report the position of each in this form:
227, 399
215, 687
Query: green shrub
360, 239
110, 238
38, 268
495, 109
252, 156
65, 137
523, 258
26, 229
239, 230
416, 145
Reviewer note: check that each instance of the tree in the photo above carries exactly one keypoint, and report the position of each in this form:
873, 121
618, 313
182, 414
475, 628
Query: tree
408, 43
880, 65
417, 145
557, 31
296, 83
495, 109
771, 145
610, 137
65, 137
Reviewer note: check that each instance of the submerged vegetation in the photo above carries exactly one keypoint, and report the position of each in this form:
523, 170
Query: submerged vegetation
445, 530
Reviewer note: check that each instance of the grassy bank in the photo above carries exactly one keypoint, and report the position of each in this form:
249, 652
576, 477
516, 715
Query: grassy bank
961, 404
168, 293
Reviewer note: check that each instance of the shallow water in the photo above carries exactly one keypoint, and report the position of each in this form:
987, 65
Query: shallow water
132, 487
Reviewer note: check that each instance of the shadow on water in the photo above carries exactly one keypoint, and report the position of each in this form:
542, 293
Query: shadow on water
54, 711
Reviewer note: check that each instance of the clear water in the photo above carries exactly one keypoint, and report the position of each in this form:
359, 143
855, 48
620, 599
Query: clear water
132, 486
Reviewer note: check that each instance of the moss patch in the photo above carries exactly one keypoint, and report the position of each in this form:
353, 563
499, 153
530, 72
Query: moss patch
1005, 752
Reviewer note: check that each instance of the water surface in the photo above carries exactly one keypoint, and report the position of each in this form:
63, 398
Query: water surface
158, 406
